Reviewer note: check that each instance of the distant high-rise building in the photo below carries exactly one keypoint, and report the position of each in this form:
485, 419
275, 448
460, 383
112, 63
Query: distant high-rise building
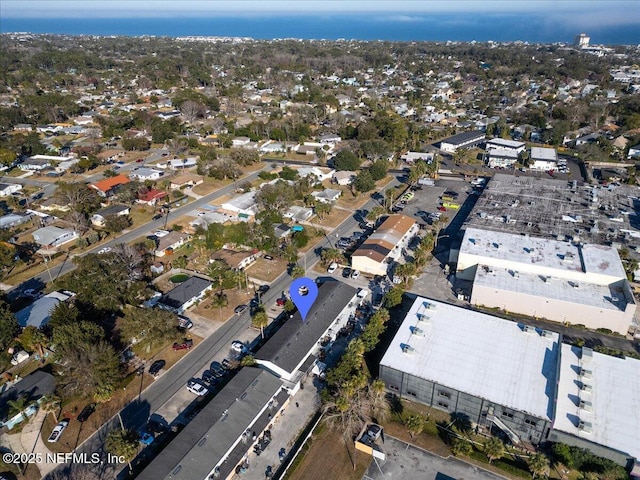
582, 40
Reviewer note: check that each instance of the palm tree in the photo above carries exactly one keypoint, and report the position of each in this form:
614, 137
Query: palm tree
461, 447
322, 209
219, 300
493, 448
405, 271
538, 464
379, 404
51, 404
414, 424
390, 195
330, 255
375, 213
260, 320
18, 405
297, 271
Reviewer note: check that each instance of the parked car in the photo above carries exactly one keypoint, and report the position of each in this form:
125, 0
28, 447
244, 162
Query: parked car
146, 438
209, 377
156, 426
240, 308
197, 388
355, 274
57, 431
104, 250
217, 368
332, 268
156, 366
140, 160
281, 301
238, 346
184, 322
442, 209
226, 364
262, 289
185, 345
346, 272
86, 412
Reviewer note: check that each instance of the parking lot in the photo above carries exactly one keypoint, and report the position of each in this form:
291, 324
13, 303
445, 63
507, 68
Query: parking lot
407, 461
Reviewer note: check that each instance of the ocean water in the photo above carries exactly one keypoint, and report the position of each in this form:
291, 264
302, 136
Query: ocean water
480, 27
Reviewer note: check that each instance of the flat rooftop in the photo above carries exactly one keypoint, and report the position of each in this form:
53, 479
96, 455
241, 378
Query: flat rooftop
543, 252
550, 208
605, 297
614, 397
546, 154
478, 354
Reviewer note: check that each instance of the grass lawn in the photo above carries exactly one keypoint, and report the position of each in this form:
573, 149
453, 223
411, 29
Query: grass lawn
326, 444
235, 297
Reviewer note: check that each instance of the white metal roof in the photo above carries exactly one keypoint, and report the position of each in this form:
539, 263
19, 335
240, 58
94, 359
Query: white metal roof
503, 142
478, 354
546, 154
614, 397
551, 288
542, 252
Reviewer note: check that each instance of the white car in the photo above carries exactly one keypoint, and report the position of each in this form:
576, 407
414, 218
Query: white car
197, 388
104, 250
332, 268
238, 346
355, 274
57, 431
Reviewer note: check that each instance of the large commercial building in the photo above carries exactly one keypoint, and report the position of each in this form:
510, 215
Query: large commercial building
543, 158
385, 245
496, 373
292, 351
561, 281
462, 140
516, 378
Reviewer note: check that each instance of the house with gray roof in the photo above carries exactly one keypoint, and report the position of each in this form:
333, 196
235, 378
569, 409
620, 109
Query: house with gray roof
54, 236
14, 219
290, 352
100, 217
38, 313
7, 189
218, 439
328, 195
185, 294
33, 387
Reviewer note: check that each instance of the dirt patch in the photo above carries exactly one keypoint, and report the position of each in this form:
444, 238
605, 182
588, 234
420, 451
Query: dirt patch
328, 444
235, 297
335, 218
267, 270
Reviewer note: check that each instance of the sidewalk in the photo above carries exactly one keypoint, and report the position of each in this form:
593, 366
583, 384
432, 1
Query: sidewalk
284, 432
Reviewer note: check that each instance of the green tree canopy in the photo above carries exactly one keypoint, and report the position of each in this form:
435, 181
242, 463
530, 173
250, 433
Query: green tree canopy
346, 160
9, 327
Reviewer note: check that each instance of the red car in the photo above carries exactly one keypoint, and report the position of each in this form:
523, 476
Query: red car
140, 160
186, 345
280, 302
442, 209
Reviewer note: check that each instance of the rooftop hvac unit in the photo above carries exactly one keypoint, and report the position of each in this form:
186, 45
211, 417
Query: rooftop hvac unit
584, 373
408, 349
587, 355
418, 332
428, 305
423, 318
586, 427
586, 405
586, 387
547, 334
529, 329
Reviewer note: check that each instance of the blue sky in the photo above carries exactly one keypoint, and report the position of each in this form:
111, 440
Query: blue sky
584, 13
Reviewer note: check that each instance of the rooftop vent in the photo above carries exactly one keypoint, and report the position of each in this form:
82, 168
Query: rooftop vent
418, 332
586, 387
428, 305
585, 373
547, 334
587, 355
529, 329
586, 427
586, 405
408, 349
423, 318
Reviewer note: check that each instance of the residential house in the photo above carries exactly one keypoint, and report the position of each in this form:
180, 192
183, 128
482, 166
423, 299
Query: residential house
33, 164
39, 312
206, 218
98, 219
281, 230
328, 195
181, 164
53, 204
32, 387
143, 173
151, 197
411, 157
298, 214
169, 243
185, 294
634, 152
320, 174
238, 260
53, 237
243, 206
7, 189
343, 177
185, 180
14, 219
109, 186
385, 245
329, 139
240, 141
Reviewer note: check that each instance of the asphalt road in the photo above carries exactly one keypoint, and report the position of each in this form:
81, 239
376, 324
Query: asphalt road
136, 413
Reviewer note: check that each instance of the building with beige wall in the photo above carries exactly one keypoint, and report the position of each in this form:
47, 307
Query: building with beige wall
565, 282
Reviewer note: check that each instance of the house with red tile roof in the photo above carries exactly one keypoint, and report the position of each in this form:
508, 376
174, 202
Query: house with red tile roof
151, 196
108, 186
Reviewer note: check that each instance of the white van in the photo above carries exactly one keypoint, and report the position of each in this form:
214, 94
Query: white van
19, 357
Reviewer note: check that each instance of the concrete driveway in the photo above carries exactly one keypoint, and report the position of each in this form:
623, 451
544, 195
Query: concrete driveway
405, 461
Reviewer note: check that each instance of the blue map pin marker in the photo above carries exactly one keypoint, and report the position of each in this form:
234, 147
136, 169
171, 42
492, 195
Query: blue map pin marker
303, 292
